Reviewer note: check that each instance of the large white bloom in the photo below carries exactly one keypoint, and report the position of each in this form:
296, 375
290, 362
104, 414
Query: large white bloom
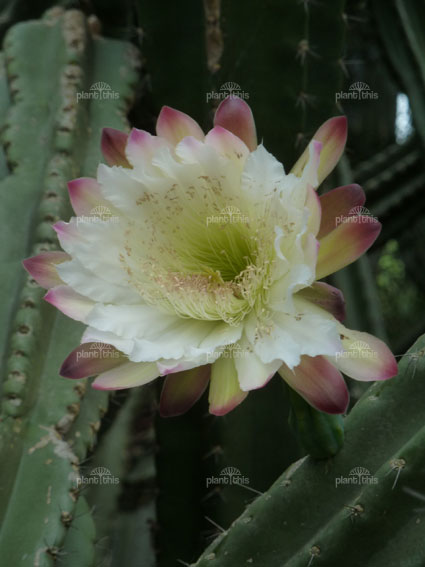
190, 250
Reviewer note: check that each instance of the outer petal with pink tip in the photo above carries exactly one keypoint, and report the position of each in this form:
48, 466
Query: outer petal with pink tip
319, 383
365, 357
225, 393
70, 302
235, 115
181, 390
333, 135
43, 267
141, 147
337, 205
127, 375
227, 144
327, 297
113, 145
346, 243
90, 359
174, 125
85, 195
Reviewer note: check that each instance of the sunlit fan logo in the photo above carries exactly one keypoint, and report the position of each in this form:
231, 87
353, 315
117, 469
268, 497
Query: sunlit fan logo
98, 91
228, 476
230, 471
357, 91
359, 472
101, 471
358, 215
98, 350
357, 211
359, 345
358, 349
102, 212
100, 87
228, 89
357, 476
228, 215
98, 476
359, 87
100, 346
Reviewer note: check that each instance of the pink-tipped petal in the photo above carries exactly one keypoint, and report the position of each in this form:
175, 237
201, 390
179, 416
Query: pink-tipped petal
141, 146
235, 115
113, 145
128, 375
43, 267
182, 390
327, 297
90, 359
66, 231
333, 135
346, 243
338, 204
315, 211
85, 195
69, 302
227, 144
225, 393
319, 383
364, 357
174, 125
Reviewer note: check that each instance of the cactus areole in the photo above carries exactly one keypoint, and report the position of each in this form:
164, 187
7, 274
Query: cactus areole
198, 257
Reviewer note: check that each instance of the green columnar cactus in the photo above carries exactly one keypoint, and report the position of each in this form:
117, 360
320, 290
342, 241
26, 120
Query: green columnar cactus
312, 515
49, 137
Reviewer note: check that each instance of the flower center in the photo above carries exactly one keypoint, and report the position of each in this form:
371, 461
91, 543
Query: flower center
206, 266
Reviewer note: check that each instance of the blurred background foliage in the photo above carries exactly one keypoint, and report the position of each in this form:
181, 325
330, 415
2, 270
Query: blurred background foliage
291, 58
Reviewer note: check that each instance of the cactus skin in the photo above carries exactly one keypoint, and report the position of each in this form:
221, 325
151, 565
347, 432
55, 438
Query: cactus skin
384, 433
49, 139
79, 544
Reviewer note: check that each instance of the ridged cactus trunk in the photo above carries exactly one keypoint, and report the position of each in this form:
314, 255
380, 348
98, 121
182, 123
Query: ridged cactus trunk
50, 135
